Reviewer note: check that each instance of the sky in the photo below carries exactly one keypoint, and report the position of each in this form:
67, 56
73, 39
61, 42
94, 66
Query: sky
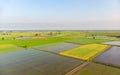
60, 14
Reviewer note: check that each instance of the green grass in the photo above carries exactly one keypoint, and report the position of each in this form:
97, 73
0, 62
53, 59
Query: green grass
30, 43
98, 69
5, 48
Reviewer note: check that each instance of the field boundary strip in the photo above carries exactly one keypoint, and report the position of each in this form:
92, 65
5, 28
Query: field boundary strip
107, 65
77, 68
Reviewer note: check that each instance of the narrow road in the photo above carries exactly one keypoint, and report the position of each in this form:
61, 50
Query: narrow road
77, 68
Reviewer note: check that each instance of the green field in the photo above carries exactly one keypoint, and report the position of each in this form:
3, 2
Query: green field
90, 40
98, 69
30, 43
41, 38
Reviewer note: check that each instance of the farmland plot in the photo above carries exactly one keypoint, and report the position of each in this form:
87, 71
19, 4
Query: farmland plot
85, 52
57, 47
98, 69
32, 62
6, 48
110, 57
89, 39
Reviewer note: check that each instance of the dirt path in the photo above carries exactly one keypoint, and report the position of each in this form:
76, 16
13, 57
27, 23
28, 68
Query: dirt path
77, 68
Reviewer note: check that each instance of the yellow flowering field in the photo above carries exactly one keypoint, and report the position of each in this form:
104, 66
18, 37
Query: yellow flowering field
86, 52
17, 34
5, 48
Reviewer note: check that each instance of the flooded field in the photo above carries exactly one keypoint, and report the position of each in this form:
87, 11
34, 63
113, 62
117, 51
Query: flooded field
57, 47
113, 43
110, 57
32, 62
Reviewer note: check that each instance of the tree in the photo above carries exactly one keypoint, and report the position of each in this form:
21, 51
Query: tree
3, 38
93, 36
36, 34
50, 33
25, 46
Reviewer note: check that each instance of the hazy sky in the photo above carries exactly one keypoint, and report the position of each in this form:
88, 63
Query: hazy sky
60, 14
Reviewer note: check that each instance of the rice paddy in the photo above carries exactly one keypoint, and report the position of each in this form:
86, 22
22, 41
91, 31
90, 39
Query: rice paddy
110, 57
33, 62
57, 47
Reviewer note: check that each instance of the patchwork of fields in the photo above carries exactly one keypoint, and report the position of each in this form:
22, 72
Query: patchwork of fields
59, 53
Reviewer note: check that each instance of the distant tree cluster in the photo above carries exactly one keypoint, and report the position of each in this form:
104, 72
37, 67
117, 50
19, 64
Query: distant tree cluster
37, 34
